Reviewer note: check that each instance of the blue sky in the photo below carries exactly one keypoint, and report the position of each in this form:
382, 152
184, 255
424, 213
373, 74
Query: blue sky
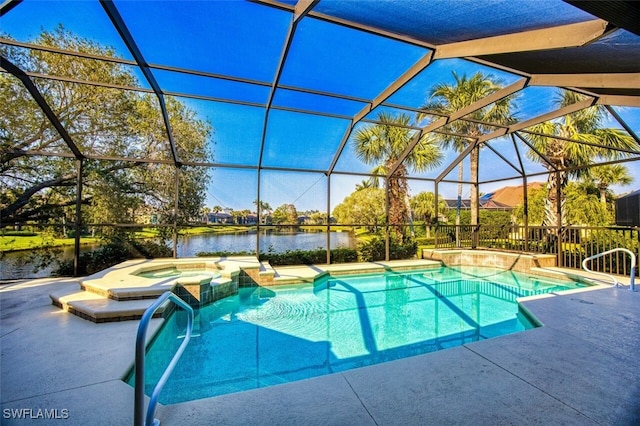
355, 64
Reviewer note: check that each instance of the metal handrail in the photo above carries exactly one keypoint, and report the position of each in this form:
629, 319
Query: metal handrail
615, 281
138, 414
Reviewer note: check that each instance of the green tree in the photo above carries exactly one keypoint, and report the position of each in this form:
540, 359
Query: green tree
318, 218
367, 183
263, 209
582, 206
102, 122
286, 214
424, 207
564, 156
605, 176
363, 207
445, 98
535, 211
382, 145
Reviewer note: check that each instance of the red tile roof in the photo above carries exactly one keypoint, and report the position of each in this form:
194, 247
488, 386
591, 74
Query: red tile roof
512, 195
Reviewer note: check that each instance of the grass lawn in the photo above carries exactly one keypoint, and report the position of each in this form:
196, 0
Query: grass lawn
14, 243
41, 240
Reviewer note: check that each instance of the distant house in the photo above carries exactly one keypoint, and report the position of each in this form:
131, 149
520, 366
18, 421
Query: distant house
512, 195
485, 203
506, 198
250, 219
219, 217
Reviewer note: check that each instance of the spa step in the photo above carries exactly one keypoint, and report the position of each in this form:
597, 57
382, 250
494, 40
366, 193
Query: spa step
126, 291
96, 308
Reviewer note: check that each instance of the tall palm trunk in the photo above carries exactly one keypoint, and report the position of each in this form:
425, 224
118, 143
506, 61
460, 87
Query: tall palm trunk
398, 210
407, 206
553, 203
554, 209
556, 153
603, 194
474, 160
460, 176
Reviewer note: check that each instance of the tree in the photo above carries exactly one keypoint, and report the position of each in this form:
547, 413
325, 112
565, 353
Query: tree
424, 207
535, 210
363, 207
582, 206
286, 214
263, 209
446, 99
367, 183
382, 145
319, 218
102, 122
564, 159
605, 176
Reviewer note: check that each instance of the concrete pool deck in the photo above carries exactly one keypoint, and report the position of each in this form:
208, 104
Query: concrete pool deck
580, 368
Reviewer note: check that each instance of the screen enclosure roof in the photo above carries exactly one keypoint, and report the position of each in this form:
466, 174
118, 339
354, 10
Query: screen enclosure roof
286, 84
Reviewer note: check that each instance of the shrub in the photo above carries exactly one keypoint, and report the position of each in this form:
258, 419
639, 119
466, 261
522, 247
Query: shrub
424, 241
18, 234
151, 249
296, 257
308, 257
111, 254
374, 249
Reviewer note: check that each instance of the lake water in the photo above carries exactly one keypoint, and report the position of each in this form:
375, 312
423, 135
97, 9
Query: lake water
13, 266
269, 241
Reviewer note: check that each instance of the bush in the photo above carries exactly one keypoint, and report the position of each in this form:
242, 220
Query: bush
18, 234
110, 254
296, 257
151, 249
374, 249
309, 257
424, 241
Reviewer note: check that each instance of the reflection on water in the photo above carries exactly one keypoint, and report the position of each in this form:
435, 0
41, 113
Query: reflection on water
24, 263
269, 241
18, 265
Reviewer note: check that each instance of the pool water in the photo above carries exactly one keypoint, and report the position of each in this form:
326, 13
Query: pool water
176, 273
266, 336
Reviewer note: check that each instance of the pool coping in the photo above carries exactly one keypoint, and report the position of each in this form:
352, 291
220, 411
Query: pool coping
583, 373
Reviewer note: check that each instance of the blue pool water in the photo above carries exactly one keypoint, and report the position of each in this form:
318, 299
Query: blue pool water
266, 336
175, 273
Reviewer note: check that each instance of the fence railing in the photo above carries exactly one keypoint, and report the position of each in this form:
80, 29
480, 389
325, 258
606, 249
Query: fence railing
570, 244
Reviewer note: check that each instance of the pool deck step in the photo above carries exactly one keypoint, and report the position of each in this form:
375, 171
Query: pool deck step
97, 308
308, 273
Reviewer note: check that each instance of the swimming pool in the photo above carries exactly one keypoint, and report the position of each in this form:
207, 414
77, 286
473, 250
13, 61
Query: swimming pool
266, 336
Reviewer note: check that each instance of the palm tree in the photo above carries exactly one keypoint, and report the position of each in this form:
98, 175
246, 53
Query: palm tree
424, 206
605, 176
263, 209
564, 158
382, 145
205, 214
367, 183
448, 98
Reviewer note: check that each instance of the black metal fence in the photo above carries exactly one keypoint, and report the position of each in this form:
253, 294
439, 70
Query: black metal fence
570, 244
